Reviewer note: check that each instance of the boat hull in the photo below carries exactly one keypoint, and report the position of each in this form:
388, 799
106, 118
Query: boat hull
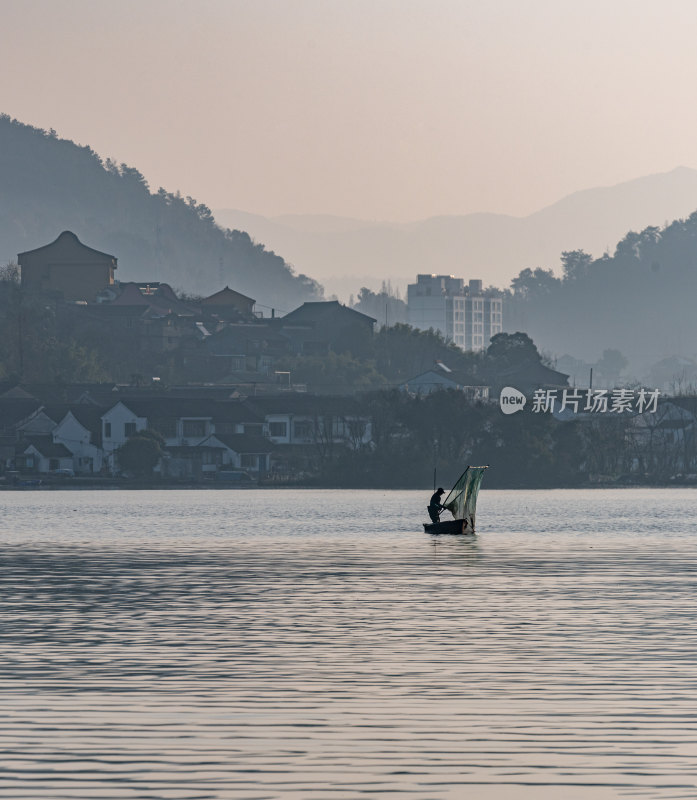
458, 526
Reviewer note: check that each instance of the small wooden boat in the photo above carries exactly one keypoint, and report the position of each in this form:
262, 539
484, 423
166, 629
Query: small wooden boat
448, 526
462, 504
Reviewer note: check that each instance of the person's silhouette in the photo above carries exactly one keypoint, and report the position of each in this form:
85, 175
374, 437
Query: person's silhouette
434, 506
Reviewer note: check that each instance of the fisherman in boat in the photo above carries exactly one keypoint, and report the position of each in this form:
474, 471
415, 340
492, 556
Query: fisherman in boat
434, 506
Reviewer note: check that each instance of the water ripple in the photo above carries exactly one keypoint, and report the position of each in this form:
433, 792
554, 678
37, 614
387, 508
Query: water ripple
166, 645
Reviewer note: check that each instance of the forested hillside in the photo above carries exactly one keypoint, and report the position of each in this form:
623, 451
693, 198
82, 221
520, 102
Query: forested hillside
48, 185
639, 300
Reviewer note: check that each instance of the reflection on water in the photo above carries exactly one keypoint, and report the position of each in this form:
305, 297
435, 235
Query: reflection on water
241, 644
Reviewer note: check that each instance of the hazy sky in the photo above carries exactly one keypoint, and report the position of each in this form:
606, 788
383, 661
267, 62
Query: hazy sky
379, 109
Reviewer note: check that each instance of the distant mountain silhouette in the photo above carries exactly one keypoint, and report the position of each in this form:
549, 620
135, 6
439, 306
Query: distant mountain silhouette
347, 253
48, 185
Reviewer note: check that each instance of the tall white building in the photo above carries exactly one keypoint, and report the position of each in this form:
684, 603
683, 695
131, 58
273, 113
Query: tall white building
463, 314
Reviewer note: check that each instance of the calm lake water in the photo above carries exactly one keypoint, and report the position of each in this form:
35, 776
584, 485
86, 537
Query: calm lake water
317, 644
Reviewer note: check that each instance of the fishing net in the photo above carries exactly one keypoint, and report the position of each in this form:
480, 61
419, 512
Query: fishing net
462, 500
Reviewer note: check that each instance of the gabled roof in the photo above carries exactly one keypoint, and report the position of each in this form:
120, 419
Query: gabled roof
16, 393
68, 236
69, 393
316, 311
154, 408
55, 411
158, 297
130, 295
15, 411
226, 296
433, 377
46, 447
90, 417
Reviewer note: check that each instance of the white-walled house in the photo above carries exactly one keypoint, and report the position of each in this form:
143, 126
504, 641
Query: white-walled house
41, 454
302, 419
183, 423
118, 423
242, 451
80, 432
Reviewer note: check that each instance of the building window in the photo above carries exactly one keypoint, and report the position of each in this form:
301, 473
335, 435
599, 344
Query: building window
129, 429
302, 430
278, 429
107, 430
194, 427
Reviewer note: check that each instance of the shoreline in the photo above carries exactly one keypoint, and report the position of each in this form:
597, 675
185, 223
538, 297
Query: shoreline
189, 486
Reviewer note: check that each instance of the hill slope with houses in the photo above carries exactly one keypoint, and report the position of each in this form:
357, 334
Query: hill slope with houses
48, 185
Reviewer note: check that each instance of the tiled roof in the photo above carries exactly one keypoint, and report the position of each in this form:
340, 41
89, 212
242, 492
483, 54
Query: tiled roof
90, 417
225, 296
177, 407
46, 446
73, 237
313, 311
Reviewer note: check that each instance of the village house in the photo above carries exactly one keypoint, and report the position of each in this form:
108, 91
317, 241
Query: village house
79, 431
68, 268
14, 412
529, 376
317, 327
227, 304
183, 423
441, 377
243, 451
304, 419
239, 348
42, 455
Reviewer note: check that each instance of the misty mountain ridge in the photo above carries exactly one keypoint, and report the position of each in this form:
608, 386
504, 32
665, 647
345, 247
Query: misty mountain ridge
345, 253
48, 185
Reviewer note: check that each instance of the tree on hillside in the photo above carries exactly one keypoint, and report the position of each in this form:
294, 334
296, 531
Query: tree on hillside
509, 349
386, 306
52, 185
401, 352
534, 282
33, 346
639, 300
575, 264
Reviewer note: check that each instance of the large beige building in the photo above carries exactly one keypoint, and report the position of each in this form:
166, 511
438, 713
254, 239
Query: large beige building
68, 268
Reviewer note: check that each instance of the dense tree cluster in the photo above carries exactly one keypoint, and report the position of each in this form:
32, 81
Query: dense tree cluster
638, 300
413, 435
385, 306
